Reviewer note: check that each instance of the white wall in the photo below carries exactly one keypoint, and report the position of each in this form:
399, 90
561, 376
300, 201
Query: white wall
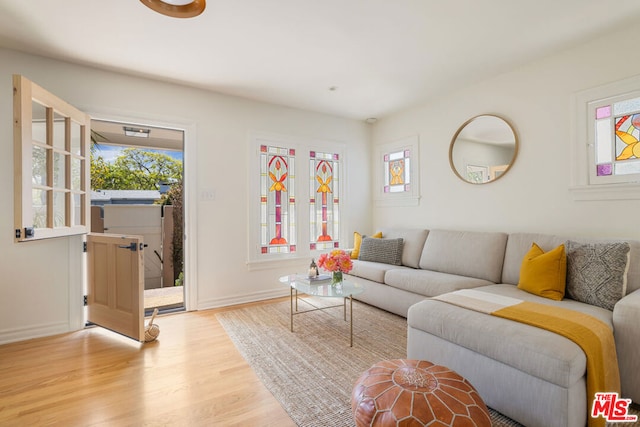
39, 280
534, 195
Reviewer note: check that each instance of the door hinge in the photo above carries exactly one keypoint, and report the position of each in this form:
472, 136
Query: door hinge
86, 300
28, 232
84, 246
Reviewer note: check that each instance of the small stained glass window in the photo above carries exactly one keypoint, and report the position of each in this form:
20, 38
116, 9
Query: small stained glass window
617, 132
277, 200
397, 171
324, 200
605, 160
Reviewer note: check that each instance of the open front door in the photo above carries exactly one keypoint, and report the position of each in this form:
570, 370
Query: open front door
52, 185
115, 280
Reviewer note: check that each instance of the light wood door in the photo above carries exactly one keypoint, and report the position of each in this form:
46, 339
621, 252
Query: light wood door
115, 280
145, 221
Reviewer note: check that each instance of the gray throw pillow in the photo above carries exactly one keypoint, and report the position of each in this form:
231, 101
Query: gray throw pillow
387, 251
597, 272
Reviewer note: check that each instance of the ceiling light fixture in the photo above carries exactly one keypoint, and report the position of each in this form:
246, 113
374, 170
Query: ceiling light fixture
176, 8
136, 132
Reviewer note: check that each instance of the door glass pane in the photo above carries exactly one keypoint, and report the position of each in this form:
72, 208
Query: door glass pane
75, 173
39, 201
39, 165
58, 209
38, 123
75, 138
77, 209
58, 170
58, 131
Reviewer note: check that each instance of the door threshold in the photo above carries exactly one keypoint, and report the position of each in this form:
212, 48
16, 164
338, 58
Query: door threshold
164, 310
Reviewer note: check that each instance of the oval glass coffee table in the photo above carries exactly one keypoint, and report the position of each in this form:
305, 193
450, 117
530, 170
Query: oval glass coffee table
300, 283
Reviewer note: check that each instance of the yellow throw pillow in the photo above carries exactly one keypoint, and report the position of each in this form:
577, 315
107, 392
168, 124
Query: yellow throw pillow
544, 274
357, 241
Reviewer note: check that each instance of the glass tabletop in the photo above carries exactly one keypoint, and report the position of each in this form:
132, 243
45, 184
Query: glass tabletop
300, 282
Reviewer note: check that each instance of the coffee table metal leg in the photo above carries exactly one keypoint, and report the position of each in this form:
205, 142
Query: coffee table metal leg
291, 310
351, 319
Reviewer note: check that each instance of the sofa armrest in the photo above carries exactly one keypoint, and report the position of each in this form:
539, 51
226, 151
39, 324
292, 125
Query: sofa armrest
626, 329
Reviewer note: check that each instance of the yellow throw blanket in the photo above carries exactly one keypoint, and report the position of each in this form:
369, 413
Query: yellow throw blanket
592, 335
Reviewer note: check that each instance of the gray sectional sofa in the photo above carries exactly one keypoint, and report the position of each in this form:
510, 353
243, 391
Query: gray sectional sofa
531, 375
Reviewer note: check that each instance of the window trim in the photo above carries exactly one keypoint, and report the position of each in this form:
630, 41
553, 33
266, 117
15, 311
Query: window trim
25, 93
406, 198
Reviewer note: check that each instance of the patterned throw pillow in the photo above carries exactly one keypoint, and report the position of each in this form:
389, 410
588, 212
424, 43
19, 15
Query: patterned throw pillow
597, 272
357, 242
388, 251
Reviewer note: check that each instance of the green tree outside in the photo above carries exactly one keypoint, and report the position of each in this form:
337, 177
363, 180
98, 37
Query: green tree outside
134, 169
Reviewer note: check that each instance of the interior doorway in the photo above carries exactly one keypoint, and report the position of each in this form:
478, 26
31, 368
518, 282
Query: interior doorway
137, 189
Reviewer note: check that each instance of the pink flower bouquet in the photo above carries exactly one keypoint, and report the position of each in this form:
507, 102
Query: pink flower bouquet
337, 262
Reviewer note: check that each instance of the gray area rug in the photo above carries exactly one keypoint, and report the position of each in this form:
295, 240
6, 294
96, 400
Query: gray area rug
311, 371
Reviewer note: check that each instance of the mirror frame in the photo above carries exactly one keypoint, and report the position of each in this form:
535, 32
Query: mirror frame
464, 125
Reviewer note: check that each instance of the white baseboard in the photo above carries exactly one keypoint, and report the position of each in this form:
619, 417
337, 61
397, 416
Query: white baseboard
242, 299
34, 331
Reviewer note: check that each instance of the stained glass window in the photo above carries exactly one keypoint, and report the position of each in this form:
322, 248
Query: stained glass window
324, 200
605, 155
397, 171
277, 200
617, 132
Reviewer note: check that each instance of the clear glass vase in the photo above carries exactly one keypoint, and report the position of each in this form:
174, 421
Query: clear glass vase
336, 278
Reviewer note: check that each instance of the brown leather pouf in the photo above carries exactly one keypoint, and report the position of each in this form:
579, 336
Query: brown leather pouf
416, 393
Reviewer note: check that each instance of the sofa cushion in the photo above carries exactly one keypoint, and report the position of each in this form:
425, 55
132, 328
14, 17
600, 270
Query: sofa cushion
413, 243
544, 273
535, 351
467, 253
357, 242
633, 276
373, 271
430, 283
387, 251
597, 272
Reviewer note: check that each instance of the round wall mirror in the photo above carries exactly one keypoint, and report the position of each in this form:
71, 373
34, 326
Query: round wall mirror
483, 149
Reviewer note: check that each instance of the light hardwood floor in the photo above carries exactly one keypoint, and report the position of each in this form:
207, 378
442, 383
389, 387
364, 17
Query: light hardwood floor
192, 376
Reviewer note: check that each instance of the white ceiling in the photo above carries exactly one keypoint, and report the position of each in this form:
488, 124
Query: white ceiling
380, 55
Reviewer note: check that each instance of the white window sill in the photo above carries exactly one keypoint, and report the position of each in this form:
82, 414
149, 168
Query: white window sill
270, 264
630, 191
397, 201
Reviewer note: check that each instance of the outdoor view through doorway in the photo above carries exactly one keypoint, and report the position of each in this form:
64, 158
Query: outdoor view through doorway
137, 189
